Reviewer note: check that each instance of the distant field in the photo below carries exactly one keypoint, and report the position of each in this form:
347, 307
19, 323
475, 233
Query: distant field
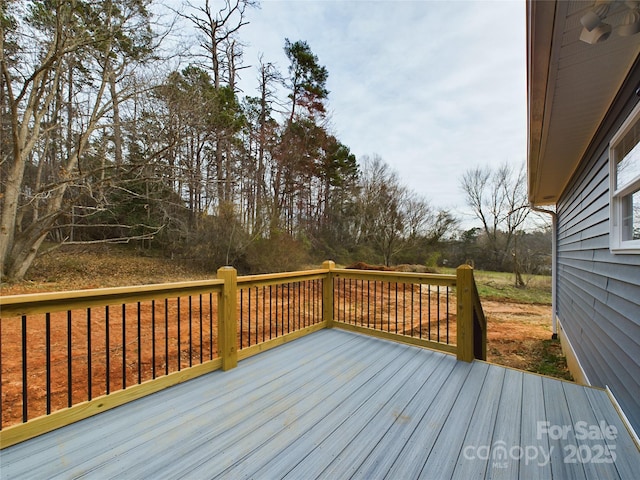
500, 286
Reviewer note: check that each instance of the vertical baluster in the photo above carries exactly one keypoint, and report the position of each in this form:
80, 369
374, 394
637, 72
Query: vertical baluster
179, 344
89, 385
343, 291
249, 317
388, 306
277, 316
241, 314
438, 310
368, 303
447, 315
354, 300
420, 310
200, 316
139, 313
305, 303
25, 411
318, 299
124, 346
264, 307
396, 288
288, 305
153, 339
375, 302
298, 297
190, 331
404, 308
107, 349
166, 336
257, 314
211, 326
69, 361
48, 347
412, 286
361, 304
429, 312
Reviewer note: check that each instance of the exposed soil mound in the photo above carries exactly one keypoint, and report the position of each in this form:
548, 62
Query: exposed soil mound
366, 266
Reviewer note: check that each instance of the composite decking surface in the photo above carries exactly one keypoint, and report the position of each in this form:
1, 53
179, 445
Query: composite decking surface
335, 404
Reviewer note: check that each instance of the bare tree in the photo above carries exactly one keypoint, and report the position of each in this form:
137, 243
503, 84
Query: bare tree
218, 28
498, 198
387, 213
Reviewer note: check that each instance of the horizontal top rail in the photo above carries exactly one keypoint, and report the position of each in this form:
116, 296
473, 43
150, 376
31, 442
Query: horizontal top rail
14, 305
398, 277
278, 278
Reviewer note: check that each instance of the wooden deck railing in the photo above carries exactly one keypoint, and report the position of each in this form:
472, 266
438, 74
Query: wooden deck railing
69, 355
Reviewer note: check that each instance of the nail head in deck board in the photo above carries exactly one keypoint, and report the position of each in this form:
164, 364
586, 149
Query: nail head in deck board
188, 428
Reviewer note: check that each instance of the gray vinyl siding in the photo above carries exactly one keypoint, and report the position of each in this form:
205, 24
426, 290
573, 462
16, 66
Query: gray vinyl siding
599, 292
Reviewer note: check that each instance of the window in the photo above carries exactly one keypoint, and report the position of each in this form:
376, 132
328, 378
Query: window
624, 160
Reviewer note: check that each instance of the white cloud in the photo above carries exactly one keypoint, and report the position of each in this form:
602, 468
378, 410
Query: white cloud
433, 87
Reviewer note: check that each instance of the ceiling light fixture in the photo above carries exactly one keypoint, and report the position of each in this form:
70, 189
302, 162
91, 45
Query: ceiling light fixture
595, 30
596, 35
594, 17
631, 23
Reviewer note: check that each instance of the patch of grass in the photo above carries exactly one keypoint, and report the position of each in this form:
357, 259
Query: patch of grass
500, 286
550, 360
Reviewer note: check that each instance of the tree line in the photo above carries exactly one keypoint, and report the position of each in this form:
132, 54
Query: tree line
102, 142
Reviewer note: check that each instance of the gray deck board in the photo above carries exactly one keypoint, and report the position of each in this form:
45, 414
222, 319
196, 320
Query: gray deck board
480, 431
452, 435
506, 429
627, 459
557, 413
335, 404
533, 411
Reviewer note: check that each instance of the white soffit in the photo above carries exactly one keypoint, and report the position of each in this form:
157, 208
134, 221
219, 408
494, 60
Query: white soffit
571, 85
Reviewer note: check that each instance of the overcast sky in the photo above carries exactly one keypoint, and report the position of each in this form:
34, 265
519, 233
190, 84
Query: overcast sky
433, 87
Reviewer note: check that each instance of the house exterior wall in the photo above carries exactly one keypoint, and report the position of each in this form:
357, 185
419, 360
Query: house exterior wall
598, 293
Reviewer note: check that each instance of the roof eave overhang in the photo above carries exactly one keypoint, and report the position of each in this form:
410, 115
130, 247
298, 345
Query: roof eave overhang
541, 30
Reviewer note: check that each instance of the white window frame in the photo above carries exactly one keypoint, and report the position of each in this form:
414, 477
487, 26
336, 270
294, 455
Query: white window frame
619, 194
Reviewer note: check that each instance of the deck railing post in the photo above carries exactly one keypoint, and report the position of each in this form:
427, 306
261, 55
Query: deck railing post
464, 323
228, 318
327, 294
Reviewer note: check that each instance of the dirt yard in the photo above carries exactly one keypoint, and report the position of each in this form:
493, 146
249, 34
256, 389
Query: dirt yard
519, 336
